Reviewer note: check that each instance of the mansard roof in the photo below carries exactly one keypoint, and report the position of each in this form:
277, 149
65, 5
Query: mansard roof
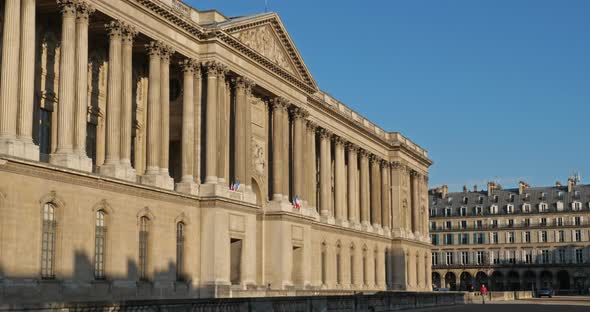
266, 34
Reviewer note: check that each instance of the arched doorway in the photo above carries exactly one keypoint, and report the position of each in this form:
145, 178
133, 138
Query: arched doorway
580, 282
436, 282
530, 280
466, 282
513, 280
451, 281
481, 278
497, 281
563, 280
546, 279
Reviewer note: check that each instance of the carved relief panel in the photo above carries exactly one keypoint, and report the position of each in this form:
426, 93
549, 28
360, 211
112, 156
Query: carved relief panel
259, 143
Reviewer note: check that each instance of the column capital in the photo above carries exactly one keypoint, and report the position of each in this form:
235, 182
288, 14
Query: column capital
129, 32
187, 65
385, 163
374, 159
414, 173
67, 7
83, 11
154, 49
222, 71
211, 68
298, 112
339, 140
115, 29
352, 147
324, 133
425, 177
166, 52
279, 103
310, 125
243, 82
364, 153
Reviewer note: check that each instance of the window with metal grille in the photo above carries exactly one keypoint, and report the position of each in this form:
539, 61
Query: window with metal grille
143, 247
48, 242
99, 245
180, 251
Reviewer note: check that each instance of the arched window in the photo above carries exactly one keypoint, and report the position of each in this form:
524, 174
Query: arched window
100, 245
364, 264
180, 251
338, 265
376, 268
48, 242
323, 263
352, 264
143, 247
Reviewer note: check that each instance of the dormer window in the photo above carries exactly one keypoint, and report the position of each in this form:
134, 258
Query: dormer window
576, 206
447, 211
450, 200
463, 211
560, 194
526, 208
577, 194
465, 200
559, 206
543, 207
478, 210
495, 198
494, 209
433, 212
543, 195
511, 197
480, 200
510, 208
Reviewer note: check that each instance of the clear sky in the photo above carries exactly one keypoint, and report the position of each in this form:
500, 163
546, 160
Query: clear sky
494, 90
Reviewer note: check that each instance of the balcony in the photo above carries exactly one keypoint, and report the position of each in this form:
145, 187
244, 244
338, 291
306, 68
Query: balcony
521, 226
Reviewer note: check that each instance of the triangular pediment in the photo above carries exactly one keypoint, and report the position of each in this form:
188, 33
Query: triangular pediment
266, 34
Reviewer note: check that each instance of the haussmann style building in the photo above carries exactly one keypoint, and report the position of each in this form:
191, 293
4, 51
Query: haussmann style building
512, 239
150, 150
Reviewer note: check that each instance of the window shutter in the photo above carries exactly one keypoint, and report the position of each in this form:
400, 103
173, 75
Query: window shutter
445, 239
483, 238
459, 236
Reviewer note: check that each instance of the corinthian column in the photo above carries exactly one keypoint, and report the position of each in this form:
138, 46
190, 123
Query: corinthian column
27, 81
364, 191
81, 101
153, 116
187, 184
198, 81
64, 154
299, 116
127, 101
239, 156
385, 202
311, 180
397, 211
165, 113
211, 124
325, 176
285, 151
222, 126
279, 107
376, 192
340, 182
114, 30
8, 84
415, 176
353, 204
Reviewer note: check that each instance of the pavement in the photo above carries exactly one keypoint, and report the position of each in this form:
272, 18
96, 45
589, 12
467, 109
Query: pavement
555, 304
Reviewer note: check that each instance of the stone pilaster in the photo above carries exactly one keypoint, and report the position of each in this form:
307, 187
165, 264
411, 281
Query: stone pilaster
397, 212
325, 176
298, 115
166, 54
197, 93
9, 85
187, 184
311, 179
340, 209
248, 143
385, 198
424, 207
127, 102
364, 191
285, 151
27, 82
353, 189
241, 150
376, 192
211, 124
64, 154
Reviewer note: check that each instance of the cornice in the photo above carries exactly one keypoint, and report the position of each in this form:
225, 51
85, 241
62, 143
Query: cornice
167, 13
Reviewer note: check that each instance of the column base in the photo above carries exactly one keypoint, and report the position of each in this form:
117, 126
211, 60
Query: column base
213, 189
71, 161
395, 233
328, 219
118, 171
245, 194
158, 180
281, 205
10, 146
377, 229
355, 225
386, 231
31, 151
342, 222
190, 188
366, 226
19, 148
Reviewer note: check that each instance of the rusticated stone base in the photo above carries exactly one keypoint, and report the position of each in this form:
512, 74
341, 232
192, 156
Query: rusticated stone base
71, 161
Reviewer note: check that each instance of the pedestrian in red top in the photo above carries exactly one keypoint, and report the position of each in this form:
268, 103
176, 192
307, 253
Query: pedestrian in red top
484, 292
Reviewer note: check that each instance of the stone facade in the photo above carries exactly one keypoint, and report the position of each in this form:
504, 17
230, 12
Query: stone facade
149, 150
512, 239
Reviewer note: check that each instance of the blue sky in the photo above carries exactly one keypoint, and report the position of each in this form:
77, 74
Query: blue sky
494, 90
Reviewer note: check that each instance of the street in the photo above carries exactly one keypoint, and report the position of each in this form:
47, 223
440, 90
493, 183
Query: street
555, 304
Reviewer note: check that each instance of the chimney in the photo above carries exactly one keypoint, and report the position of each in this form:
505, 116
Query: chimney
491, 188
445, 191
475, 188
558, 184
465, 189
570, 185
521, 187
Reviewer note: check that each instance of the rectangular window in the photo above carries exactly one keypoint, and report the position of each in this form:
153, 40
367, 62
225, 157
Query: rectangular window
561, 253
449, 258
543, 236
479, 224
578, 235
543, 207
464, 239
561, 236
494, 237
448, 239
494, 209
464, 257
560, 221
447, 212
543, 222
143, 248
434, 258
433, 226
433, 212
527, 222
577, 221
479, 257
434, 239
512, 256
235, 265
478, 210
48, 242
448, 225
579, 256
463, 224
463, 211
528, 256
99, 245
494, 224
511, 237
496, 257
527, 237
545, 256
510, 209
510, 222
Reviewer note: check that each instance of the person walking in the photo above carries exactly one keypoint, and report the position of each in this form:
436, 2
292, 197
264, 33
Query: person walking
484, 292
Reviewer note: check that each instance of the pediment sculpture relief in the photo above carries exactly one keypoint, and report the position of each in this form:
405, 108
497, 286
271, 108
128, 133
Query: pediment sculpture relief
264, 41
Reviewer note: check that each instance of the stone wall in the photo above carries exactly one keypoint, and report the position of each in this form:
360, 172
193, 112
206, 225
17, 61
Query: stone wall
383, 301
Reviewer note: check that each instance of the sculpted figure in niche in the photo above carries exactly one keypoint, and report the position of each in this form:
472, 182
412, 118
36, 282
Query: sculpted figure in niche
258, 158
